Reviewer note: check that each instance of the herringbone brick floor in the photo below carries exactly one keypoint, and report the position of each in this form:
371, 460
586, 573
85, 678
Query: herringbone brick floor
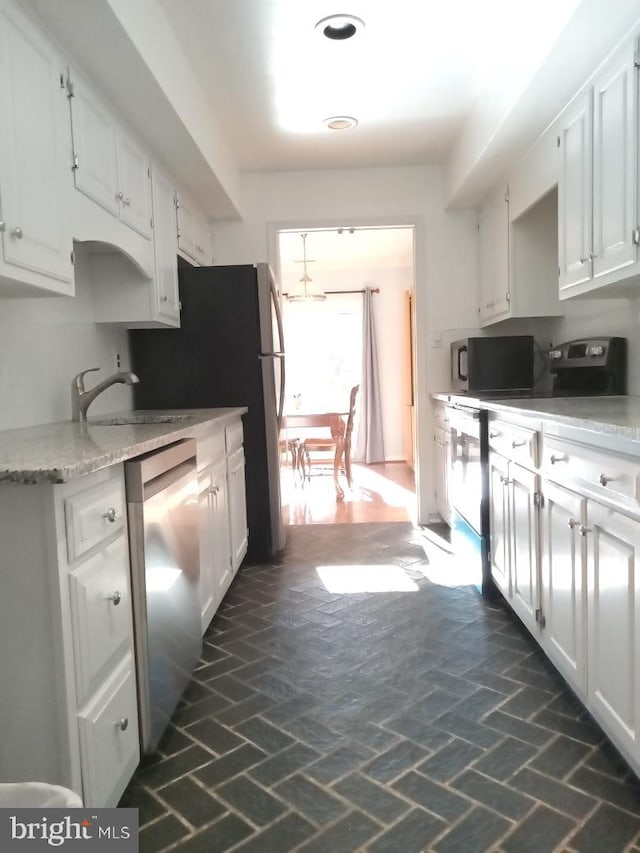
421, 719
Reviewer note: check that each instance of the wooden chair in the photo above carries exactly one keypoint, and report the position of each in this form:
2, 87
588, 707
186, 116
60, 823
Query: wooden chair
339, 442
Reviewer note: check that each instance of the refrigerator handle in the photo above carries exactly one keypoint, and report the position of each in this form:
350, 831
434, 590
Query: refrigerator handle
281, 349
281, 359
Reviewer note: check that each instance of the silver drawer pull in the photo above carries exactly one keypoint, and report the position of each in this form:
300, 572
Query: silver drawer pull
494, 434
572, 523
3, 226
505, 480
116, 597
561, 458
518, 442
120, 196
123, 724
110, 514
213, 490
603, 479
584, 530
17, 232
126, 202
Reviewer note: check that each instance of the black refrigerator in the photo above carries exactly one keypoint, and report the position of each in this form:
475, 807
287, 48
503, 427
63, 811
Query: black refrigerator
228, 351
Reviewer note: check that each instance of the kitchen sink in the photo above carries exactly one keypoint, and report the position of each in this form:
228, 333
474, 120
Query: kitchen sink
140, 418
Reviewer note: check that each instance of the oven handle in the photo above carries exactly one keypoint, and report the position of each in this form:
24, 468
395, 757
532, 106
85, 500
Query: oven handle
460, 373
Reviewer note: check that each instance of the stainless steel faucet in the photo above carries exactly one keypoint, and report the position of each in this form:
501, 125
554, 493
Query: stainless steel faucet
81, 399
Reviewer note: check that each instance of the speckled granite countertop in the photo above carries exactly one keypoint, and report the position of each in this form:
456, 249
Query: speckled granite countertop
58, 452
615, 416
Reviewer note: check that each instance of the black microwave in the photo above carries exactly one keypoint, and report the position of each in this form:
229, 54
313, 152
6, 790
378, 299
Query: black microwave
492, 364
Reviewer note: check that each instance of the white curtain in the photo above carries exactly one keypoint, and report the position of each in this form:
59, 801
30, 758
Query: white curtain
369, 444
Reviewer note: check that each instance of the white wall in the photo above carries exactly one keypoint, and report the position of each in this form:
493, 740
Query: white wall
43, 344
446, 250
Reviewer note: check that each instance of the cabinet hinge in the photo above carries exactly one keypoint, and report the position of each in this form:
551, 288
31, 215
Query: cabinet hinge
69, 86
635, 236
62, 80
151, 223
506, 197
149, 172
73, 257
76, 164
179, 306
176, 201
540, 617
538, 500
508, 297
179, 232
636, 59
557, 142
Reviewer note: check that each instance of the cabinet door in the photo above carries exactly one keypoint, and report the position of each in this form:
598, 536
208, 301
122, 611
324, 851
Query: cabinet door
187, 228
237, 508
615, 156
207, 572
165, 247
613, 596
222, 556
34, 152
563, 587
523, 517
134, 190
94, 147
499, 522
495, 296
574, 194
215, 554
442, 447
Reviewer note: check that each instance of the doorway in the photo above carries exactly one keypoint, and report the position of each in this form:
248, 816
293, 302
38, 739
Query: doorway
324, 343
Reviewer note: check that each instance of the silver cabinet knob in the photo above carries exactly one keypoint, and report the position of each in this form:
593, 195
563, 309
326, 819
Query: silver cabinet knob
126, 202
603, 479
494, 434
164, 299
120, 196
518, 442
123, 724
561, 458
116, 597
17, 232
584, 530
110, 514
572, 523
583, 260
213, 490
3, 226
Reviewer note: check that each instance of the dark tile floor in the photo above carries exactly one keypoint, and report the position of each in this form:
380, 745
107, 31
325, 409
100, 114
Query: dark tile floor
424, 719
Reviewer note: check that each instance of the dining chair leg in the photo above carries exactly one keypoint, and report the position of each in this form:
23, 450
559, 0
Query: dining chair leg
336, 471
347, 462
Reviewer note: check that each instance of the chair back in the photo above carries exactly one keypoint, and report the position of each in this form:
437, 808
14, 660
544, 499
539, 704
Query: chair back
352, 411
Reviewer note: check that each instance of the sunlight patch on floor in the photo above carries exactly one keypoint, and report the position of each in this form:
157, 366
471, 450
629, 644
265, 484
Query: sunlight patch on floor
391, 493
449, 564
348, 579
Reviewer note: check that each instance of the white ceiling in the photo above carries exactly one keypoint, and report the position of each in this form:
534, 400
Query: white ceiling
411, 78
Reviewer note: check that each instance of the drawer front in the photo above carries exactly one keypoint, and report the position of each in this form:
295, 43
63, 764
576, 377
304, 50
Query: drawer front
516, 443
234, 436
94, 516
210, 448
101, 614
109, 744
614, 476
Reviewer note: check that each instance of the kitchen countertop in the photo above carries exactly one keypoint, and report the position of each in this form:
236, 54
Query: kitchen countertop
59, 452
615, 416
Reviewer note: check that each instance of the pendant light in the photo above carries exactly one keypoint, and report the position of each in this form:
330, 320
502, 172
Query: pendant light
306, 291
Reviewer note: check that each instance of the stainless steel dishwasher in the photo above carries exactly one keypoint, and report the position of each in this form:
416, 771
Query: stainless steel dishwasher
162, 510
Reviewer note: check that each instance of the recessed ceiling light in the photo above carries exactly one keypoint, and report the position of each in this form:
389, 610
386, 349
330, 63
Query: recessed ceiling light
340, 27
340, 122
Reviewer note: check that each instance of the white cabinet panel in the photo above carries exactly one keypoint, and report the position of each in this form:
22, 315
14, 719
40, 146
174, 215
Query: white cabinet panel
523, 520
167, 302
94, 144
92, 516
563, 587
34, 157
499, 522
613, 554
134, 192
237, 508
495, 293
575, 194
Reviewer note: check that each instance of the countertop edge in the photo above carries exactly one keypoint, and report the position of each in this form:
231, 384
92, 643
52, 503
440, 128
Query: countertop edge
66, 471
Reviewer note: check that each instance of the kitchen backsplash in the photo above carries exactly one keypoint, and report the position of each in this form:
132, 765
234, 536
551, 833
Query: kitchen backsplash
44, 342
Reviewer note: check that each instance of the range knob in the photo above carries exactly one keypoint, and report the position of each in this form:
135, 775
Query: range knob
595, 351
555, 354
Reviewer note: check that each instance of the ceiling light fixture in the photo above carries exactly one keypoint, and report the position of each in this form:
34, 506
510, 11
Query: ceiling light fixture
339, 27
340, 122
308, 292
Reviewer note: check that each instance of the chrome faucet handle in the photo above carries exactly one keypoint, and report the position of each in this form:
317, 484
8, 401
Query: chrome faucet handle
78, 381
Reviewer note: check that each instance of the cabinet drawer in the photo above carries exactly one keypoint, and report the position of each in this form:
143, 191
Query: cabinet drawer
234, 436
609, 474
101, 614
94, 516
517, 443
210, 448
109, 744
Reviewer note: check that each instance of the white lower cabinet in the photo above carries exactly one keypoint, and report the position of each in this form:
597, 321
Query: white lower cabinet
499, 523
613, 624
563, 584
70, 717
442, 455
223, 513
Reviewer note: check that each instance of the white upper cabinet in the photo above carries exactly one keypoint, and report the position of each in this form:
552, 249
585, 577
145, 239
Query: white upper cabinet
167, 304
598, 182
35, 236
194, 237
574, 195
109, 167
495, 293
